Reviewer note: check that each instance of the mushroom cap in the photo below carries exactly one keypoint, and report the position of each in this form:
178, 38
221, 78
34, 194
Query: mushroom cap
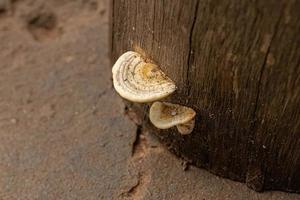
138, 81
187, 128
166, 115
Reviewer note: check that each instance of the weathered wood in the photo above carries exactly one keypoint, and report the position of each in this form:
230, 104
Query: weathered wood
237, 63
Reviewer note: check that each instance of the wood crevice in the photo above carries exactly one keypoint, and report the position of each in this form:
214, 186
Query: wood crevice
191, 53
252, 154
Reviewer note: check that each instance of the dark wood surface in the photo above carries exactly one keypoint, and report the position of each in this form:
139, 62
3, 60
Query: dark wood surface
237, 63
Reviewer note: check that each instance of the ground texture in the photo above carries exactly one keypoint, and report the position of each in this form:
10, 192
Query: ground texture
64, 132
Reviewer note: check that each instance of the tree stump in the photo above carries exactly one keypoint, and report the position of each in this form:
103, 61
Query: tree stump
237, 63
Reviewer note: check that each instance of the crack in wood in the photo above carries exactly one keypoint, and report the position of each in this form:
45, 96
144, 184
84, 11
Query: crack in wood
256, 180
190, 53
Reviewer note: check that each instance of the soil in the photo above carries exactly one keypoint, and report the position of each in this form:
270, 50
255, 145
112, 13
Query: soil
64, 132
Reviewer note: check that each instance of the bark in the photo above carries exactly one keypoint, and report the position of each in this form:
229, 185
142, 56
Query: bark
237, 63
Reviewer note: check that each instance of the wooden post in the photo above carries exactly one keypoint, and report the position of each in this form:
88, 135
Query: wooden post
237, 63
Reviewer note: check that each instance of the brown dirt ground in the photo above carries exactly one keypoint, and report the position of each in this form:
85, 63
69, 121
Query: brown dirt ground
63, 132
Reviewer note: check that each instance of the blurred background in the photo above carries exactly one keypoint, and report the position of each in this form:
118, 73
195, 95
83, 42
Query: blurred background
64, 132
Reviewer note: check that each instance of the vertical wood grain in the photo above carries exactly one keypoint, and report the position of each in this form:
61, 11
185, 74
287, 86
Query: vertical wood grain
237, 64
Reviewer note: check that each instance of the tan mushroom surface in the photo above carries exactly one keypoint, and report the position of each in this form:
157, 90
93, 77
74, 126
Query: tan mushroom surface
186, 128
165, 115
139, 81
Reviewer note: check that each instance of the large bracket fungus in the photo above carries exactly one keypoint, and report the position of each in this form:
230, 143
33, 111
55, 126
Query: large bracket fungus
139, 81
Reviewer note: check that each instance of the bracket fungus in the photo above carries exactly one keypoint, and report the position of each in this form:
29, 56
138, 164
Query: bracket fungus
139, 81
165, 115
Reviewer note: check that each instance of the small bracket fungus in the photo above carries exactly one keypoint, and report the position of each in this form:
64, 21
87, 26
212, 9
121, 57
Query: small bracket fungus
138, 81
166, 115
